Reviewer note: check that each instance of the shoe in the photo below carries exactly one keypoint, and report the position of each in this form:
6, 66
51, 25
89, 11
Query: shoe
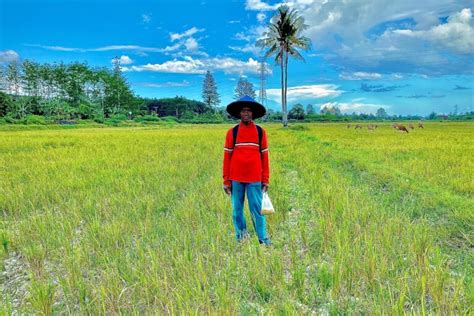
267, 242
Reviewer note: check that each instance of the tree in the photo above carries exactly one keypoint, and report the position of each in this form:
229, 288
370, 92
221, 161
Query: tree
330, 109
309, 109
297, 112
244, 87
14, 78
209, 91
381, 113
5, 103
282, 40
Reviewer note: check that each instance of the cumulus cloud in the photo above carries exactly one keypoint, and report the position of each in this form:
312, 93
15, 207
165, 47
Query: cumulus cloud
354, 106
124, 60
433, 37
7, 56
261, 17
189, 65
306, 92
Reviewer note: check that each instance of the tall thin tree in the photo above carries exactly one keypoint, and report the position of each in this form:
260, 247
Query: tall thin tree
210, 95
282, 39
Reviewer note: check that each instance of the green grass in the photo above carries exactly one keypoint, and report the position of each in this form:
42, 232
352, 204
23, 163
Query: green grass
134, 220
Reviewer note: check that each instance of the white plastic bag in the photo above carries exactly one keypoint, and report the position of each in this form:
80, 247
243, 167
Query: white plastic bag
267, 206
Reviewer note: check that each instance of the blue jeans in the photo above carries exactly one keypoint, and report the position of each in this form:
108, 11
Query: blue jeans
254, 198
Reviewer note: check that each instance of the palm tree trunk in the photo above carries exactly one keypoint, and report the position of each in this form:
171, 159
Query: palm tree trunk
283, 91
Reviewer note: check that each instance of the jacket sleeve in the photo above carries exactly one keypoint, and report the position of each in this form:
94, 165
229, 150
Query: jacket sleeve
228, 150
265, 159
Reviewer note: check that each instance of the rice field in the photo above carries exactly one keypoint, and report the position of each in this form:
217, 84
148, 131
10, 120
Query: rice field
135, 221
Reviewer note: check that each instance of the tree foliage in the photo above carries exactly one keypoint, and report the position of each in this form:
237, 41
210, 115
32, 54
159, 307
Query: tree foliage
243, 88
210, 95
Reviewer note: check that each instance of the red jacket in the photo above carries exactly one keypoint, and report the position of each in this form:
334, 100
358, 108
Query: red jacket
245, 163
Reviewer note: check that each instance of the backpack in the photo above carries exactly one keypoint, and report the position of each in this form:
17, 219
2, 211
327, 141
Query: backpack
235, 130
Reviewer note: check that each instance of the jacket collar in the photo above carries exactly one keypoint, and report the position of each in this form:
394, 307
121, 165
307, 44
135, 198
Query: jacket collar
243, 125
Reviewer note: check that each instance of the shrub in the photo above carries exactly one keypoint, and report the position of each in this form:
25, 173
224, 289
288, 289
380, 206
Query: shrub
34, 120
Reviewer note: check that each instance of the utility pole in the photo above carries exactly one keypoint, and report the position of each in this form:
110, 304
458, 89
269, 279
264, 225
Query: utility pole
262, 95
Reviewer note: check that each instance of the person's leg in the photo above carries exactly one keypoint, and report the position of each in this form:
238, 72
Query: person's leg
238, 193
254, 196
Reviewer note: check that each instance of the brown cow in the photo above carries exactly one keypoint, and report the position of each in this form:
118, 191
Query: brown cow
348, 125
420, 125
411, 126
371, 127
402, 128
358, 126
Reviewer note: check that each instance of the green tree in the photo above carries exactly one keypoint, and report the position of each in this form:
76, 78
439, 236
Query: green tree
297, 112
282, 39
244, 87
381, 113
209, 91
330, 109
13, 75
5, 103
309, 109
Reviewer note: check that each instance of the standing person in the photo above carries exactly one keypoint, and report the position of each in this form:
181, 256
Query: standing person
246, 167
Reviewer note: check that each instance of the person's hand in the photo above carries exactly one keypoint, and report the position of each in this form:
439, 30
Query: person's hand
228, 189
264, 187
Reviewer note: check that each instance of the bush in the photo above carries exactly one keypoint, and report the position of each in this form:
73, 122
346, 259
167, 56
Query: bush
147, 118
34, 120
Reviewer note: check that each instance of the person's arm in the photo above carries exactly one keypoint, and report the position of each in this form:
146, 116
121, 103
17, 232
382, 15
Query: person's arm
228, 150
265, 163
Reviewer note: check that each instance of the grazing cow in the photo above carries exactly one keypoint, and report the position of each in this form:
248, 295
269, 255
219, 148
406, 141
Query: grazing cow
348, 125
371, 127
411, 126
402, 128
420, 125
376, 126
358, 126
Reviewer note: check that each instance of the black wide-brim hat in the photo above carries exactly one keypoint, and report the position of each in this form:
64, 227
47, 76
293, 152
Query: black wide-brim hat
234, 108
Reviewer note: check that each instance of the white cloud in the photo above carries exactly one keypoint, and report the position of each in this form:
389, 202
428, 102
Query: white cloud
124, 60
191, 44
386, 37
258, 5
248, 48
306, 92
360, 75
199, 66
146, 18
354, 106
7, 56
261, 17
190, 32
457, 35
233, 21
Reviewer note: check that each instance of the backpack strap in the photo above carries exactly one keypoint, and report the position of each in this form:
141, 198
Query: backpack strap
235, 130
260, 135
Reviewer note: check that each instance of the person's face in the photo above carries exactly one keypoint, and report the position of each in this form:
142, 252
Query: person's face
246, 114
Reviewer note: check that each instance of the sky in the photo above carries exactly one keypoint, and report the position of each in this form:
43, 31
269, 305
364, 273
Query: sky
408, 57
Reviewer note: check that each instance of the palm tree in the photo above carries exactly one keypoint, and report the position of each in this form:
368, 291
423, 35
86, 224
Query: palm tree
282, 39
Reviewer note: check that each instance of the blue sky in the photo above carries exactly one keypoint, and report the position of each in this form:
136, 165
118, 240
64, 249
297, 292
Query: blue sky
409, 57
